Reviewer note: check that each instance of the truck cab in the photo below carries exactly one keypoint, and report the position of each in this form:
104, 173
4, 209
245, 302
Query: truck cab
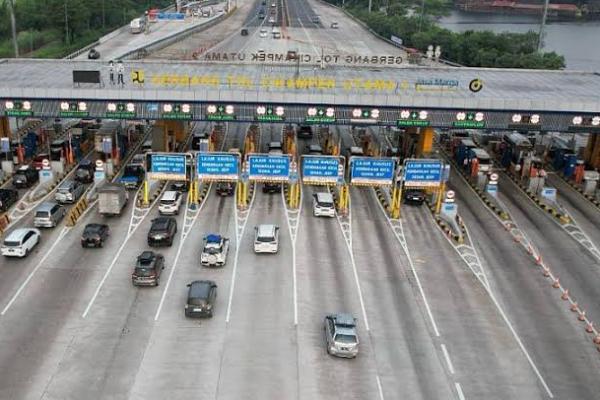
133, 176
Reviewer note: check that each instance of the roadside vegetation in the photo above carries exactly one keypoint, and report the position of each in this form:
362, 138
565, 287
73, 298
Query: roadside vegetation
404, 20
55, 28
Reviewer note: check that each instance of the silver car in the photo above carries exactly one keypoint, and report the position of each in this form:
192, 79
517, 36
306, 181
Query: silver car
341, 337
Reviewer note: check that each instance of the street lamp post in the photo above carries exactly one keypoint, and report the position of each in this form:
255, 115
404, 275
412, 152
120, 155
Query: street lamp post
540, 43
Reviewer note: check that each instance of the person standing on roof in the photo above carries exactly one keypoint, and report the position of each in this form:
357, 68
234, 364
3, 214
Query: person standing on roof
120, 70
111, 72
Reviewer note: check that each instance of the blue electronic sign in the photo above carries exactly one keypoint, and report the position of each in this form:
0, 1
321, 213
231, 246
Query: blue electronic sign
371, 171
423, 173
166, 166
217, 166
268, 167
321, 170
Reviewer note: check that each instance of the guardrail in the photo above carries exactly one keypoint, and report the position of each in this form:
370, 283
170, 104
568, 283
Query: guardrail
144, 51
365, 26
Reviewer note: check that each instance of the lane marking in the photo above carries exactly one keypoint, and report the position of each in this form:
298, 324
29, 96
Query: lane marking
37, 267
459, 391
354, 269
404, 246
184, 236
379, 388
447, 356
293, 240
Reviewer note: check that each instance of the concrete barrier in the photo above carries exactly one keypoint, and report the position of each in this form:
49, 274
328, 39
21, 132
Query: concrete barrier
76, 211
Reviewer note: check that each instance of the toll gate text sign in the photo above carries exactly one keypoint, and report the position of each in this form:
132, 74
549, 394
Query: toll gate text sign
268, 168
321, 170
422, 173
371, 171
217, 166
166, 166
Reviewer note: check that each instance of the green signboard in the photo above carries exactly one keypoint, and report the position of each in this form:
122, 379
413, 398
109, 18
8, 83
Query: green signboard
220, 117
469, 124
120, 114
73, 114
176, 115
402, 123
18, 113
269, 118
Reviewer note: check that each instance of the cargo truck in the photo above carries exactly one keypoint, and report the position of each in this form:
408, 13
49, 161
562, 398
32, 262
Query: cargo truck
112, 198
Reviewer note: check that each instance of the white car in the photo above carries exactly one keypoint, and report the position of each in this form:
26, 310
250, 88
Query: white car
215, 250
266, 239
323, 205
20, 242
170, 202
263, 33
271, 20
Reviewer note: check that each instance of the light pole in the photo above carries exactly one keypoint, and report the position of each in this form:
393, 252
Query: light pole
540, 42
66, 24
13, 26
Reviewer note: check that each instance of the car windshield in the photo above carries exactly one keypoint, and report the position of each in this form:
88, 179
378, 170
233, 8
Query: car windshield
167, 202
91, 231
20, 177
160, 226
197, 301
82, 172
41, 214
342, 338
11, 243
212, 248
325, 204
63, 190
265, 239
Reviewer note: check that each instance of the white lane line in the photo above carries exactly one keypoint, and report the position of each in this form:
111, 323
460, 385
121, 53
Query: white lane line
237, 253
447, 356
412, 267
459, 391
354, 269
32, 273
293, 239
379, 388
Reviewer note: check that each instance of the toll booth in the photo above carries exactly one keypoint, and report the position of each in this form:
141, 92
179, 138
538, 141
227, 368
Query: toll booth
463, 151
516, 147
454, 139
483, 159
558, 149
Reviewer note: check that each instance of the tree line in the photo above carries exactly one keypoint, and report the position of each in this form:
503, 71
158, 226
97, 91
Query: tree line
54, 28
417, 29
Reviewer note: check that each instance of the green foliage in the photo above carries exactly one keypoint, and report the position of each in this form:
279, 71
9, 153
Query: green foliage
470, 48
63, 25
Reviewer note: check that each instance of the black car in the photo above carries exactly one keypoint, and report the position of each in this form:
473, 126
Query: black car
244, 32
94, 235
148, 268
85, 172
8, 197
270, 187
180, 186
162, 232
414, 196
304, 132
25, 177
225, 188
93, 54
201, 299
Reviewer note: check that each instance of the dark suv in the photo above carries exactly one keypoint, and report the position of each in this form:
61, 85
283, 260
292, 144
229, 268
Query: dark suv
8, 197
162, 231
148, 268
94, 235
25, 177
271, 187
85, 172
225, 188
304, 132
201, 299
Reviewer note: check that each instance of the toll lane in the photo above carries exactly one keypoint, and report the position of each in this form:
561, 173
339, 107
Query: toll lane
407, 359
182, 351
260, 356
117, 325
555, 340
326, 285
577, 269
586, 214
44, 320
487, 361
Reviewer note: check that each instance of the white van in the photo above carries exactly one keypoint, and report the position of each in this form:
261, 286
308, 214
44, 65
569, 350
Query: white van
323, 205
137, 25
276, 33
266, 239
20, 242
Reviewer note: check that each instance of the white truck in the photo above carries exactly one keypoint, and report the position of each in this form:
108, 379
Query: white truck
112, 198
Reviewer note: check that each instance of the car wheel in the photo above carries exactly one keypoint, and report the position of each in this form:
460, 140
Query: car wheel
26, 252
157, 282
101, 244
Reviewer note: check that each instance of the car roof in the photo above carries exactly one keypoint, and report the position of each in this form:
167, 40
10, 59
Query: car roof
200, 289
344, 319
47, 206
94, 227
161, 221
147, 256
275, 144
324, 197
24, 168
67, 183
170, 195
265, 229
18, 234
213, 238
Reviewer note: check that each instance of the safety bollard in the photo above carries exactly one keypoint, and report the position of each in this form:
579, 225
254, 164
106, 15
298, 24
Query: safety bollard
565, 295
556, 284
574, 307
589, 327
581, 316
